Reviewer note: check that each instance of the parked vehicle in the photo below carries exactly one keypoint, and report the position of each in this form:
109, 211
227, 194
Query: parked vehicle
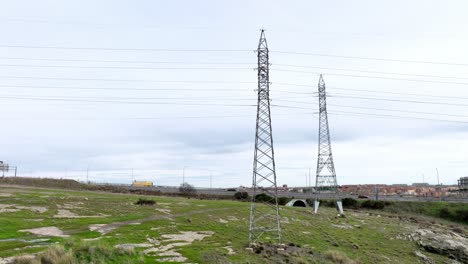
142, 184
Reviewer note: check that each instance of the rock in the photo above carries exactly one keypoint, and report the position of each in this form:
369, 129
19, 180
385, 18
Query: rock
451, 261
425, 259
447, 244
249, 249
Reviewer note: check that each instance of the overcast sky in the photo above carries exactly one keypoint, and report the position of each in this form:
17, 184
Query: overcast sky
156, 86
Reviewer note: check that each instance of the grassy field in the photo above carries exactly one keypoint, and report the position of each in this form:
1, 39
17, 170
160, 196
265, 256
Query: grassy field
111, 228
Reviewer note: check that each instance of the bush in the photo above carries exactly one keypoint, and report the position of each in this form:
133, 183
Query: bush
241, 196
328, 203
283, 200
187, 189
143, 201
461, 215
263, 197
349, 202
57, 255
370, 204
338, 257
445, 213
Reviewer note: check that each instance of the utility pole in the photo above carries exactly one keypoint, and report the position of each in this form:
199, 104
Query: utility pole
183, 175
211, 180
87, 175
438, 185
264, 218
326, 175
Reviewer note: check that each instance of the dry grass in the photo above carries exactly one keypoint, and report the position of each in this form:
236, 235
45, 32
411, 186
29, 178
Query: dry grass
53, 255
57, 255
338, 257
26, 260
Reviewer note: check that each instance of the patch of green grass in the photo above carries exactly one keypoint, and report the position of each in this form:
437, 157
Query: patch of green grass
361, 236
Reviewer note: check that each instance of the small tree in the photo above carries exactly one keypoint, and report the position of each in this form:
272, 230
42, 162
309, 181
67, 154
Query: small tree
241, 196
186, 188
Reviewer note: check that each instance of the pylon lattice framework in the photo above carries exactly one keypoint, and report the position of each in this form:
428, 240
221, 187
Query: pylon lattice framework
325, 182
264, 217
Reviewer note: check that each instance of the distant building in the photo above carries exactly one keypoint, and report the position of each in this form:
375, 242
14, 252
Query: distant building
420, 184
463, 184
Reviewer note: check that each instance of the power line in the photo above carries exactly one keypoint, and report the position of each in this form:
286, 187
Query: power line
84, 99
367, 71
399, 93
120, 80
143, 118
123, 88
397, 116
118, 102
231, 50
142, 89
371, 77
396, 110
193, 63
122, 67
124, 61
132, 98
124, 49
93, 24
368, 108
368, 58
397, 100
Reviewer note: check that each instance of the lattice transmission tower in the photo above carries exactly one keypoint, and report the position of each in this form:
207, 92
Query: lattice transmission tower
325, 182
264, 218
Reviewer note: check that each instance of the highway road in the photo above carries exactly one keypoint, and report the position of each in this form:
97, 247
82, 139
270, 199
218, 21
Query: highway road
297, 195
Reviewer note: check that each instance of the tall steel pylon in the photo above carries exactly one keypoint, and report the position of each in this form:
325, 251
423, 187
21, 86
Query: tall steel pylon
325, 182
264, 217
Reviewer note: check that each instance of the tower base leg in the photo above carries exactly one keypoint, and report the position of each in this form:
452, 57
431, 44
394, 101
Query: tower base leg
316, 206
339, 206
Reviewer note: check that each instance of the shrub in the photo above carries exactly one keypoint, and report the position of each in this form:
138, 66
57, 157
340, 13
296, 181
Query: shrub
55, 255
370, 204
143, 201
263, 197
283, 200
214, 257
328, 203
338, 257
187, 189
241, 196
349, 202
461, 215
25, 260
445, 213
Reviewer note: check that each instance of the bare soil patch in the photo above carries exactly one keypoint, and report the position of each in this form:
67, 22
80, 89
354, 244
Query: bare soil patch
164, 211
8, 208
169, 251
62, 213
46, 231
